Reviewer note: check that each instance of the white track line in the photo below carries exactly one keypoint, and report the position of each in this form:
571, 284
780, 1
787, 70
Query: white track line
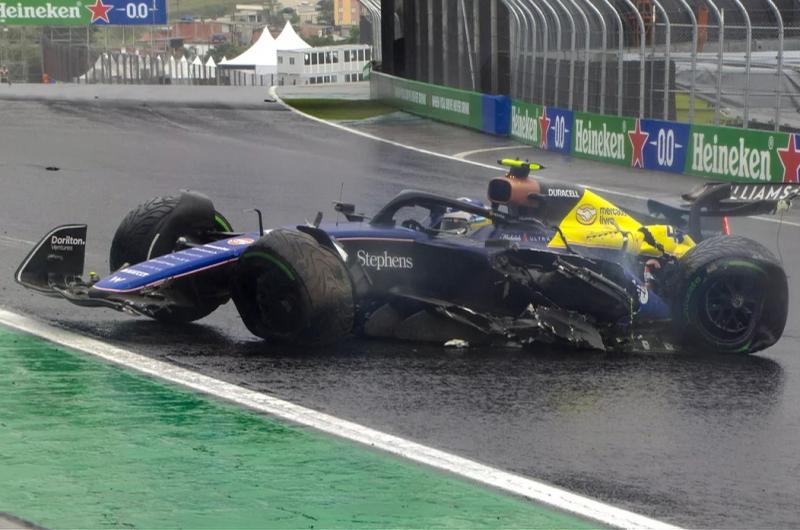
257, 401
465, 154
457, 157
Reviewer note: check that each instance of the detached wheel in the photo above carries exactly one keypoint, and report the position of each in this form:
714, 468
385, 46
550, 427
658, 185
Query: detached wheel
288, 288
733, 296
152, 229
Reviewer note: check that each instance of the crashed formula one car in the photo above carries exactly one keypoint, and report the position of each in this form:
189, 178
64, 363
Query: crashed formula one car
542, 263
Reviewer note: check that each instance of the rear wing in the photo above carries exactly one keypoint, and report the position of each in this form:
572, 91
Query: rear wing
56, 261
724, 200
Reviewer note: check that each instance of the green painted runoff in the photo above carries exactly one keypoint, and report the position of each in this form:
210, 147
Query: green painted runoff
84, 444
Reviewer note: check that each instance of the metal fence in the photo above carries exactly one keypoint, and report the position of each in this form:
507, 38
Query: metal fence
164, 69
731, 62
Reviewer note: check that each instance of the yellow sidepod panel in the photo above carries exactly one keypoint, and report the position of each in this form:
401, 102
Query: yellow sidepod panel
591, 224
595, 222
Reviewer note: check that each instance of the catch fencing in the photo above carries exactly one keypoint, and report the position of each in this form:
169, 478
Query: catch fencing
718, 62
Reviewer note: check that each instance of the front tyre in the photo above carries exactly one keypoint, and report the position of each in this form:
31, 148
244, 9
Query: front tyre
733, 296
288, 288
152, 229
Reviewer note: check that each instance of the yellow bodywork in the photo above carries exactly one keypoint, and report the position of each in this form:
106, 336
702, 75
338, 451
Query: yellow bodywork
597, 223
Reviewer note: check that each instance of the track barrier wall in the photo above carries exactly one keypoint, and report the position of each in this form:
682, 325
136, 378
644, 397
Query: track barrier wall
718, 153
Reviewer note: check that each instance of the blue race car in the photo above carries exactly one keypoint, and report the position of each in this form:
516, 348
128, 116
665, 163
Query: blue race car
549, 263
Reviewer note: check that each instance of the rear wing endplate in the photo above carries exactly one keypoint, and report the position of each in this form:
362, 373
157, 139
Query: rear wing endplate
725, 200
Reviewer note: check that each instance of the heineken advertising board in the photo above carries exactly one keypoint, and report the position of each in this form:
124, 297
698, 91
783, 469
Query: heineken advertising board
742, 155
83, 12
718, 153
605, 138
548, 128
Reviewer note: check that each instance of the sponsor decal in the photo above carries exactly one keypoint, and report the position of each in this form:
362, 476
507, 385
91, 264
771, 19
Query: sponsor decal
134, 272
66, 243
638, 138
586, 214
544, 125
83, 12
712, 154
763, 192
548, 128
599, 142
450, 104
665, 146
116, 279
559, 130
790, 158
608, 215
384, 261
100, 11
241, 241
563, 193
524, 126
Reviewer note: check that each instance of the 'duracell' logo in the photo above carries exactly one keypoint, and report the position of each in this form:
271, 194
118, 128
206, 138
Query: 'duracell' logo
586, 214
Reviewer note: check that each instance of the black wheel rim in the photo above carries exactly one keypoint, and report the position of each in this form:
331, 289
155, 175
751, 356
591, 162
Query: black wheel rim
732, 304
279, 301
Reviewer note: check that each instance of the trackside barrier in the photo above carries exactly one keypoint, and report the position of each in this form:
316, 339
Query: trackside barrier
474, 110
718, 153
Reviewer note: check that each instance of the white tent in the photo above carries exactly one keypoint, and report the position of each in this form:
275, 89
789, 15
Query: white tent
290, 40
210, 63
224, 60
263, 53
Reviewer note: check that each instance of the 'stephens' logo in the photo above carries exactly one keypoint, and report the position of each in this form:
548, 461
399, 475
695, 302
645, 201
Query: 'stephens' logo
384, 261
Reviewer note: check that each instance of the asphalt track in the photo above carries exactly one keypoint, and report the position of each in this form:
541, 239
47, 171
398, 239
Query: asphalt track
694, 440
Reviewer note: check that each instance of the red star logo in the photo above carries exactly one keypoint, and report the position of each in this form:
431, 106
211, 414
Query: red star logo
544, 124
638, 139
100, 11
790, 158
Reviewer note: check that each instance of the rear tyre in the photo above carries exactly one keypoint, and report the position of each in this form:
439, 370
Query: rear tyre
288, 288
152, 229
733, 296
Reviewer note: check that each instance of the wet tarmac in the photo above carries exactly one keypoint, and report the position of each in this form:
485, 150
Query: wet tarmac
695, 440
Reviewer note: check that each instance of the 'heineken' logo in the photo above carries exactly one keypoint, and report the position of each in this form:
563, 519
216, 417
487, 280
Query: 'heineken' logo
544, 124
523, 125
638, 138
598, 142
100, 11
790, 158
43, 12
736, 160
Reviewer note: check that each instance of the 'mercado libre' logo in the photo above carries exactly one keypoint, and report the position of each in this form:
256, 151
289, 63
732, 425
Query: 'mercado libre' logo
586, 214
384, 261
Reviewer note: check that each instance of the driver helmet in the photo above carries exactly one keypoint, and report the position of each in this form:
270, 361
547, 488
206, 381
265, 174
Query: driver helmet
462, 223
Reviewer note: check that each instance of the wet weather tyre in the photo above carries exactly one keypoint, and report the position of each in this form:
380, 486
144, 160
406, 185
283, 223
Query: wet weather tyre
288, 288
733, 296
152, 229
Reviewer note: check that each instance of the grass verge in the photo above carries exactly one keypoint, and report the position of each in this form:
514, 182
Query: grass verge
341, 109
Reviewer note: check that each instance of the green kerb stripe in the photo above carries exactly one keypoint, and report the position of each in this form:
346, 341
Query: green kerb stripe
84, 444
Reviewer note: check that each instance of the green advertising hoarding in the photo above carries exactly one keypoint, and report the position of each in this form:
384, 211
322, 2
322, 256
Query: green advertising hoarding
83, 12
450, 105
737, 155
525, 122
602, 138
45, 12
